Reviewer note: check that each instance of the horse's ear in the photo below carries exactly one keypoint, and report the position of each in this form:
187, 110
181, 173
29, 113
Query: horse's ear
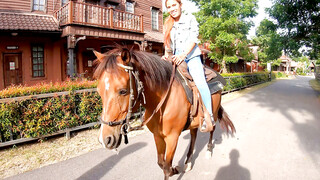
125, 55
99, 56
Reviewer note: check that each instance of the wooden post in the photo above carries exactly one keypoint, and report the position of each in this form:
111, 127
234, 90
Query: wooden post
101, 15
111, 18
11, 134
141, 23
1, 137
70, 12
229, 84
68, 136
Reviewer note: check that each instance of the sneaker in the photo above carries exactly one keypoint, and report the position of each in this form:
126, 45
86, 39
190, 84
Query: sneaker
204, 124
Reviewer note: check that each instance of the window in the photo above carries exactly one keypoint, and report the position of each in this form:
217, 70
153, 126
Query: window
130, 7
155, 19
39, 5
63, 2
37, 61
111, 5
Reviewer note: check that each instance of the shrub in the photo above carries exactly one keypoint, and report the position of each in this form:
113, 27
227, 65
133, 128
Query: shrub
38, 117
15, 91
241, 80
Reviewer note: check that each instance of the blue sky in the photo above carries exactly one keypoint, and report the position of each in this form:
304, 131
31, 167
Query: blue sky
261, 14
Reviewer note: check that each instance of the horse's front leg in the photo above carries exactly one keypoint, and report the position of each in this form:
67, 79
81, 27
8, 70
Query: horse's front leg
188, 165
161, 149
171, 145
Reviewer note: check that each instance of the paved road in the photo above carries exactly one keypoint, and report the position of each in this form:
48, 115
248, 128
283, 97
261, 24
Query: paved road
278, 137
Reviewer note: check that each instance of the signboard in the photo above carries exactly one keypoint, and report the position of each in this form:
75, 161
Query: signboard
269, 67
12, 66
89, 63
12, 47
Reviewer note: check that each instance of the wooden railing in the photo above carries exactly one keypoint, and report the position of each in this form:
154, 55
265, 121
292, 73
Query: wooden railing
99, 16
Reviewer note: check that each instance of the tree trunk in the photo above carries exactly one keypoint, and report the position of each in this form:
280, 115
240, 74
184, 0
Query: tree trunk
224, 67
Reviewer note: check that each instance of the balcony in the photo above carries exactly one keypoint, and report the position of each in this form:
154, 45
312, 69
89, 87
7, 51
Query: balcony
97, 16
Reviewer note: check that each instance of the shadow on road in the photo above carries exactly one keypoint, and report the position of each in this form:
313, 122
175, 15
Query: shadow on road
297, 101
102, 168
201, 143
234, 170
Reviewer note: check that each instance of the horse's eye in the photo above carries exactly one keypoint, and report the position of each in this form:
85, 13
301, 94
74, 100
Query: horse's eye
123, 91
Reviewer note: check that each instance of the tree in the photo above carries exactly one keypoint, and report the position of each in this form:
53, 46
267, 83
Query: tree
224, 24
269, 42
165, 15
300, 24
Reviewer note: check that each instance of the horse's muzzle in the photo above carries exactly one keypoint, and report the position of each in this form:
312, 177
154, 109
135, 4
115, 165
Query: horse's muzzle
112, 142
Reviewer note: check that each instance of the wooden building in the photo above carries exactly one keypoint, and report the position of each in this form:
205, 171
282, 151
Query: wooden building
51, 40
240, 66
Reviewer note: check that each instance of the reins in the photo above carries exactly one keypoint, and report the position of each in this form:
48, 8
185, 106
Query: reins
164, 97
125, 123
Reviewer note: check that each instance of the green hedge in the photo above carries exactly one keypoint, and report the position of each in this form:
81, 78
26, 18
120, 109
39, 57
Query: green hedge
34, 118
241, 80
42, 88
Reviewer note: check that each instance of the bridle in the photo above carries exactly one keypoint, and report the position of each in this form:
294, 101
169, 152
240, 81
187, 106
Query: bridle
134, 76
125, 123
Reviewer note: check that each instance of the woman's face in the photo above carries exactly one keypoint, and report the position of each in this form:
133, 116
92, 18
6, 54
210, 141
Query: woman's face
174, 8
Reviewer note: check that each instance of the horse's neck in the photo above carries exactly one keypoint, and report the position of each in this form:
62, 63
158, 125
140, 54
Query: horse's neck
152, 98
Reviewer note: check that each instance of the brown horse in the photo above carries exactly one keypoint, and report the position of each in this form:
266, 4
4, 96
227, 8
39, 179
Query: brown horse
127, 77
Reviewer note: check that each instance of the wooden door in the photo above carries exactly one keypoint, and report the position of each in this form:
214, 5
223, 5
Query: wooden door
88, 66
12, 69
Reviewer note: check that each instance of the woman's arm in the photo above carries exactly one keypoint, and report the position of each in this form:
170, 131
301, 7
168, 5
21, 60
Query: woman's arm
178, 59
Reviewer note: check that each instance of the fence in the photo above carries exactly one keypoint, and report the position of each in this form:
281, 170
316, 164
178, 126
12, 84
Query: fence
85, 103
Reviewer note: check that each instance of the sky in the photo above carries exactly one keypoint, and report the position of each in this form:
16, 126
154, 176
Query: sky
261, 14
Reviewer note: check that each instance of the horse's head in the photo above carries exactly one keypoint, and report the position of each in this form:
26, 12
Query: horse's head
114, 89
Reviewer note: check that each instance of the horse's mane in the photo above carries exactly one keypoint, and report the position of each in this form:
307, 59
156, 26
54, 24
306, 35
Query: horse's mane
155, 71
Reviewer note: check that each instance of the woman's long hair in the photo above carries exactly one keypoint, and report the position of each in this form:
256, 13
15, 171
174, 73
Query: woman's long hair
168, 24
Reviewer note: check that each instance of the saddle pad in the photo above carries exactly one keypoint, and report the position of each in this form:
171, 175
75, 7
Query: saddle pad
215, 84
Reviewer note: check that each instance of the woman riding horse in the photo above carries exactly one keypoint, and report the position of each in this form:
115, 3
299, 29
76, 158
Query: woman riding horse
181, 36
128, 78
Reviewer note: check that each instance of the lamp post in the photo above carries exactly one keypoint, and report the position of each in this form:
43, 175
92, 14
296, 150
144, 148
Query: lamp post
72, 42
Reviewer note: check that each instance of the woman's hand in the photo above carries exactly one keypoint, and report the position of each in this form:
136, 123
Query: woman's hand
178, 59
165, 56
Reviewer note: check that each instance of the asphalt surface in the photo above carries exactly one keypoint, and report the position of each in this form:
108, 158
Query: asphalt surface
278, 137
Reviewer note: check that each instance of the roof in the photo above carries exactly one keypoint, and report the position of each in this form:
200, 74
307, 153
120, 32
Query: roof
154, 36
27, 21
285, 58
255, 51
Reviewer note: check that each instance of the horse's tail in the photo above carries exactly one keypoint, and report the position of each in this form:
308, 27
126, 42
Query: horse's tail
225, 121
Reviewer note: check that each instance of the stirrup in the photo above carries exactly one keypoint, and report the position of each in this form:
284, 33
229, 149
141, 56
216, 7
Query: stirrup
204, 124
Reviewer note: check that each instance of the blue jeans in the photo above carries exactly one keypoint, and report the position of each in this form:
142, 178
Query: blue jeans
195, 69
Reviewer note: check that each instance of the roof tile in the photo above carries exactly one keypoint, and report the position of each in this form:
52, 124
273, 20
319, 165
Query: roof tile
154, 36
27, 21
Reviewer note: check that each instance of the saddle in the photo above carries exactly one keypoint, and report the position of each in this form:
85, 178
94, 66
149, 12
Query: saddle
215, 82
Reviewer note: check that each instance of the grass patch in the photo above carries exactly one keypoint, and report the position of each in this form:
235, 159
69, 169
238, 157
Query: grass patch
315, 84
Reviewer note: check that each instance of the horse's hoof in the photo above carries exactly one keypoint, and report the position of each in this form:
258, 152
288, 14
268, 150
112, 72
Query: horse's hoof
208, 154
187, 167
174, 170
